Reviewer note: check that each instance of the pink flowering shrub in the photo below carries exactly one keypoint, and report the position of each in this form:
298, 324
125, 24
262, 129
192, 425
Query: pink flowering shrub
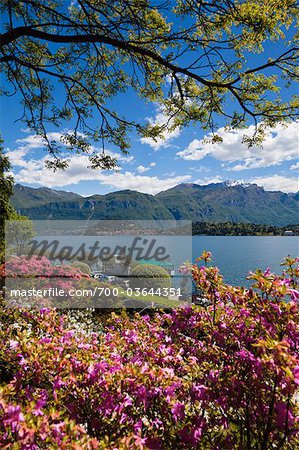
40, 273
20, 266
221, 377
35, 430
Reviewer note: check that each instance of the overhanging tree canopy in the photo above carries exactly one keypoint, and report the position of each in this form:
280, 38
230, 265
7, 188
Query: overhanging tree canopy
193, 58
6, 186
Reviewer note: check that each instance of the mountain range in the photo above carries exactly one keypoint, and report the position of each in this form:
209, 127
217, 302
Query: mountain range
216, 202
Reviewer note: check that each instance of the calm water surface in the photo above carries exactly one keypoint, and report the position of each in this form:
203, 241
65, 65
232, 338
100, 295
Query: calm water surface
234, 255
237, 255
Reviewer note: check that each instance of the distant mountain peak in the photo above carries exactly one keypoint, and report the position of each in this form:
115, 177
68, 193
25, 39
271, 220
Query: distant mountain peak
233, 183
228, 201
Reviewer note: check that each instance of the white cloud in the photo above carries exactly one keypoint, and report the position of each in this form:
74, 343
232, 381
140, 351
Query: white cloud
205, 181
142, 169
195, 151
170, 174
34, 172
277, 183
281, 144
32, 143
295, 166
168, 135
269, 183
16, 157
26, 145
146, 184
121, 158
200, 168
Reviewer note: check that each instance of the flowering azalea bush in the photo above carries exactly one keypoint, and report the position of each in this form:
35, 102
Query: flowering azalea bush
224, 376
41, 274
33, 430
34, 266
24, 274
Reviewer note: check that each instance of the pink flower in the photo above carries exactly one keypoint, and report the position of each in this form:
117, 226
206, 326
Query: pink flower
138, 426
22, 360
13, 416
296, 374
267, 272
283, 415
41, 403
13, 344
140, 442
185, 268
192, 434
199, 391
294, 295
178, 411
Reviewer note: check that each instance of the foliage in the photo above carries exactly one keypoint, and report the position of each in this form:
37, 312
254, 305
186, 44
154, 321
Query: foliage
34, 266
83, 267
6, 184
37, 273
36, 431
240, 229
19, 232
189, 57
149, 276
221, 377
23, 228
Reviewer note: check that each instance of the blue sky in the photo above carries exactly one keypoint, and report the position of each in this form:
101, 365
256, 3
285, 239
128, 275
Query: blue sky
151, 166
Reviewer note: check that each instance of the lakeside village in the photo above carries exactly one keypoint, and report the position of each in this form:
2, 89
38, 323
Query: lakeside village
143, 258
141, 264
119, 259
194, 228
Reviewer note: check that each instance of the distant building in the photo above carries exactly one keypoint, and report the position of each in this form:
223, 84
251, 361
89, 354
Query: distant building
288, 233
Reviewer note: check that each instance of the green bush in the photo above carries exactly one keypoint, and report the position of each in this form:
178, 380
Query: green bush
82, 266
148, 276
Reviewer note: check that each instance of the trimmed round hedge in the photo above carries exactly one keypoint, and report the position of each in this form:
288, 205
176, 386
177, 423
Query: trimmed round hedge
148, 276
82, 266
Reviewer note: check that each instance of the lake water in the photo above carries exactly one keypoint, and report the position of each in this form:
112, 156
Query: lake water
235, 256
